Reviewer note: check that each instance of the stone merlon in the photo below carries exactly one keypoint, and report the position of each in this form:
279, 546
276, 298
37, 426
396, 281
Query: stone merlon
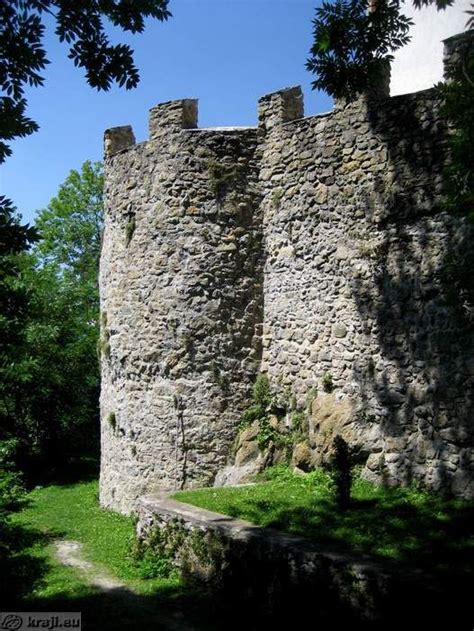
280, 107
173, 115
117, 139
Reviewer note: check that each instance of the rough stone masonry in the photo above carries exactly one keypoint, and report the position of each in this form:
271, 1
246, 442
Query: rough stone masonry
301, 248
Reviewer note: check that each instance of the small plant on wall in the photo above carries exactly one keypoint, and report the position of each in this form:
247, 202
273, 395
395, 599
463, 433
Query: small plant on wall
260, 410
261, 401
112, 421
219, 377
327, 382
103, 344
276, 197
267, 409
130, 227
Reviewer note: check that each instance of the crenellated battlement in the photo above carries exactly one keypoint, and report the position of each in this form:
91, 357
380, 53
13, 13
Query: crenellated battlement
311, 249
273, 109
280, 107
171, 117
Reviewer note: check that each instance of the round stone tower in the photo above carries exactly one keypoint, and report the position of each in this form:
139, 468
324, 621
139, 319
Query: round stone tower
181, 300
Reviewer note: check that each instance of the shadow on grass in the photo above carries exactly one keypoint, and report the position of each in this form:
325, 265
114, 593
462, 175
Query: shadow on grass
427, 546
119, 609
426, 549
20, 571
172, 607
435, 534
187, 610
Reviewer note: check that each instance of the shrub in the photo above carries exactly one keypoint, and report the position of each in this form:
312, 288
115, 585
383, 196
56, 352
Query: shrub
262, 394
11, 484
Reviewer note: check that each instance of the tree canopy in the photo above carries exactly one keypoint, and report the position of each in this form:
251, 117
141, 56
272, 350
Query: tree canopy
49, 377
81, 25
352, 46
71, 225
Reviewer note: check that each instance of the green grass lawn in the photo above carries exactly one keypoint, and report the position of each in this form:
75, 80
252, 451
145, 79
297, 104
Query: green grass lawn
395, 524
73, 512
35, 580
399, 525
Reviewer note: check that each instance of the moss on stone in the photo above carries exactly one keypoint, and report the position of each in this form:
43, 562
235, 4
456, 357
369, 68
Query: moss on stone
112, 421
130, 230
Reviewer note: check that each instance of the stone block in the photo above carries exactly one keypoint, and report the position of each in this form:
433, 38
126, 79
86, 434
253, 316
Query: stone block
173, 116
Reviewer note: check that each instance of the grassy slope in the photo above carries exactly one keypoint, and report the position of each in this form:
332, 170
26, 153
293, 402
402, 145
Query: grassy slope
34, 580
73, 512
405, 525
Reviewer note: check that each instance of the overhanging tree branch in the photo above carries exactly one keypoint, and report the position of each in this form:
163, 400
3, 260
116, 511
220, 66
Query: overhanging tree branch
80, 24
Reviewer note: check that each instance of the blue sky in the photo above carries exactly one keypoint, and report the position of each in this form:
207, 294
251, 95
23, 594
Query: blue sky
226, 53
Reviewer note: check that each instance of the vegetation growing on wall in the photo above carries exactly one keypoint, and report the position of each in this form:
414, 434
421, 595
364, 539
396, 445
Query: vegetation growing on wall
327, 382
223, 176
155, 552
268, 410
112, 421
103, 344
260, 411
130, 227
219, 376
169, 547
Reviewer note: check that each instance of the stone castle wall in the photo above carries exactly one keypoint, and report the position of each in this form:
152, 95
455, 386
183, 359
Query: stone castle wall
301, 248
354, 252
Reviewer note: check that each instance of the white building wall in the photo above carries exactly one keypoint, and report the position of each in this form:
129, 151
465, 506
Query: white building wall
419, 65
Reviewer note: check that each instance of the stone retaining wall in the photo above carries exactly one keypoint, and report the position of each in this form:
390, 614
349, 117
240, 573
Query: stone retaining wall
256, 575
